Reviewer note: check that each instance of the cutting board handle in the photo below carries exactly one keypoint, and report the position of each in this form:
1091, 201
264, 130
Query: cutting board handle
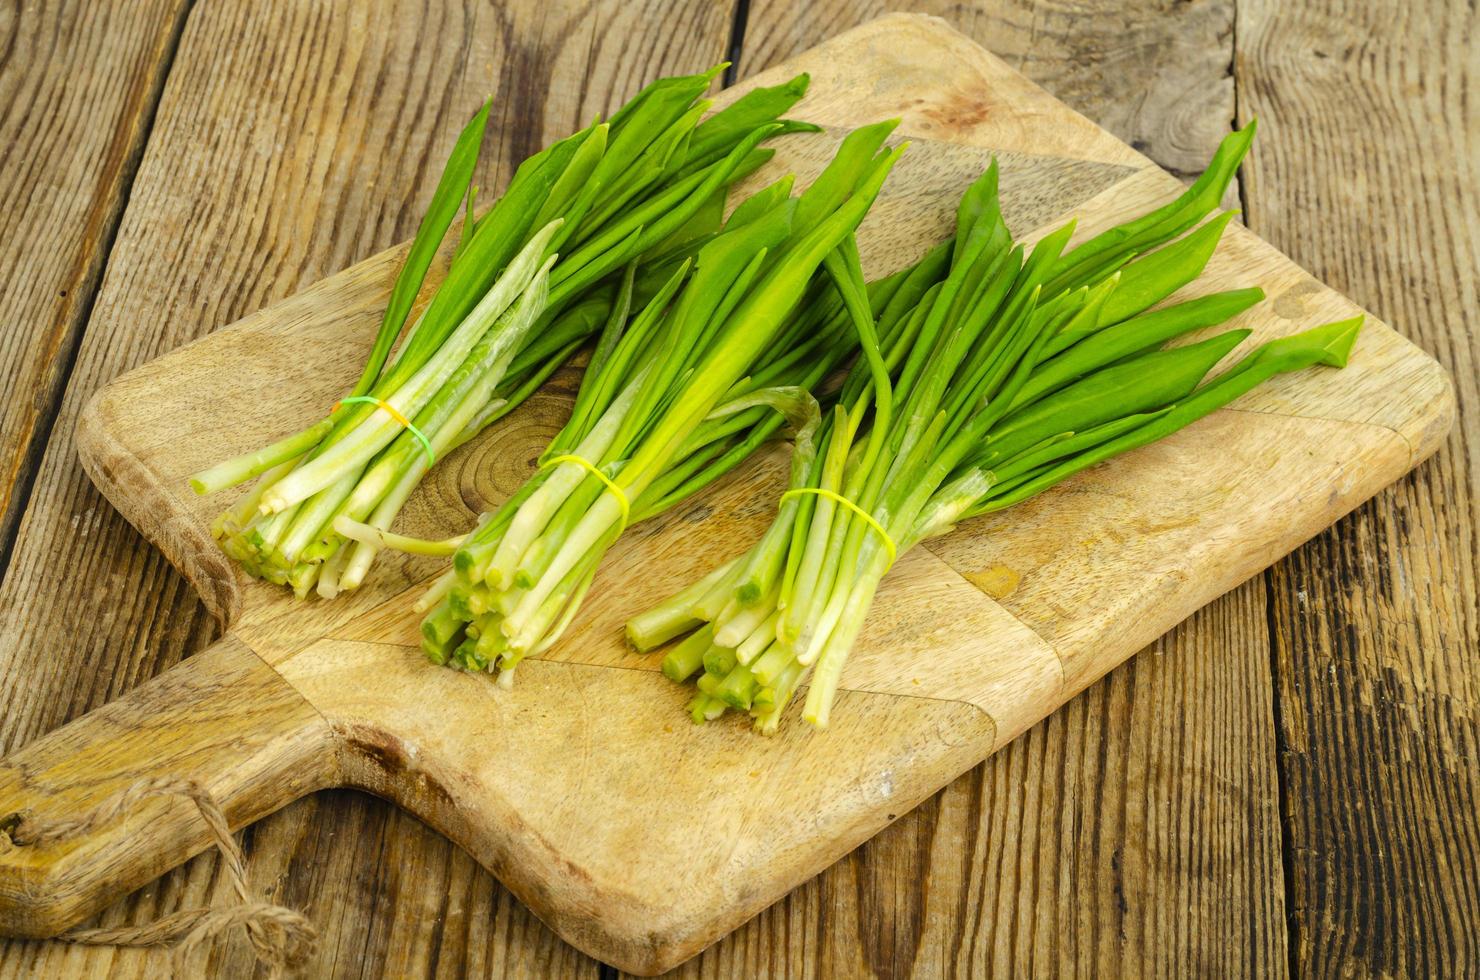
223, 720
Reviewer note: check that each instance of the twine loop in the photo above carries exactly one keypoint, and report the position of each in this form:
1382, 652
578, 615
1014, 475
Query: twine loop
395, 413
281, 937
591, 468
867, 517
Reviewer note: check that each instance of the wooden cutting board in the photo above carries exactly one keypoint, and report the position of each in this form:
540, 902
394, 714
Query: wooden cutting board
639, 837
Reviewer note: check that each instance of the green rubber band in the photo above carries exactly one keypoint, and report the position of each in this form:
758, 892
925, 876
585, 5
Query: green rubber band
394, 413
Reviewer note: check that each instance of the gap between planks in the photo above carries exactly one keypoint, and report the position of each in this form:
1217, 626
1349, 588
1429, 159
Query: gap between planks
35, 448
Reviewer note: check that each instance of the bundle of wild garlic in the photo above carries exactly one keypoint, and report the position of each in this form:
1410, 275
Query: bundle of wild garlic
1013, 371
632, 199
691, 385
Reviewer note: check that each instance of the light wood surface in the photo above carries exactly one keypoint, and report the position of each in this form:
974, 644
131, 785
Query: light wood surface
1112, 559
261, 177
223, 719
1137, 830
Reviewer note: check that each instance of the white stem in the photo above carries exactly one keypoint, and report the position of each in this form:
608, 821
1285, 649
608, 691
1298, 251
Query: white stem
756, 643
734, 629
600, 519
673, 615
713, 601
328, 586
436, 591
535, 513
816, 632
380, 427
366, 534
314, 515
829, 669
373, 486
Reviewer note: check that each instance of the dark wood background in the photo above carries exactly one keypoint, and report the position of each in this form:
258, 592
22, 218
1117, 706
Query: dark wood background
1287, 783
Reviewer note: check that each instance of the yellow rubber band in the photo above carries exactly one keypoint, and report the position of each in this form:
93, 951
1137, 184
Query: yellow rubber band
867, 517
394, 413
590, 467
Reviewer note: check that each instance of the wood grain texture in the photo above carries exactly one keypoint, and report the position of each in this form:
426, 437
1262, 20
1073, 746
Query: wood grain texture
1142, 547
406, 901
1153, 72
1116, 838
77, 91
1083, 810
223, 719
292, 139
977, 671
1368, 174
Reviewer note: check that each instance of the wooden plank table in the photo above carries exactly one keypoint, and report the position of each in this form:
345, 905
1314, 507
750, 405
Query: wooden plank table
1288, 782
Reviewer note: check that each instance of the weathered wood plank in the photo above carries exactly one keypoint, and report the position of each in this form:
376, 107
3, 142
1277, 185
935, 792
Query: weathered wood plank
1153, 72
1133, 833
1367, 174
78, 86
187, 723
291, 140
1136, 832
1427, 506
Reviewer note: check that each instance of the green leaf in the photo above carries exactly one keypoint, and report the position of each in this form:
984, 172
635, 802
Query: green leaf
1155, 276
1133, 336
1330, 344
451, 190
755, 108
1165, 222
1139, 385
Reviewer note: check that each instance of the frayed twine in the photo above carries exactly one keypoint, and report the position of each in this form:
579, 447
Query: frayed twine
281, 937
